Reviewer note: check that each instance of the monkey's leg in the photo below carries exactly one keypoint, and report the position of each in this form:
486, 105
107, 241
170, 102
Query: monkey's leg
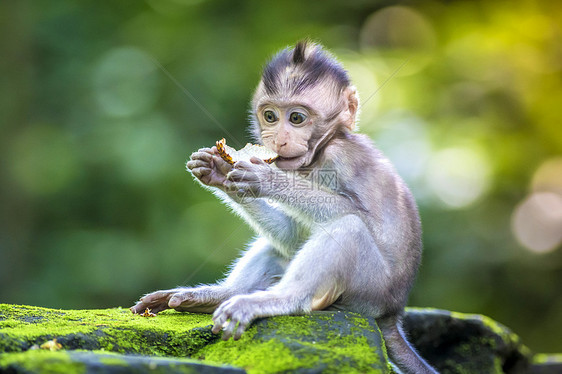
258, 268
317, 276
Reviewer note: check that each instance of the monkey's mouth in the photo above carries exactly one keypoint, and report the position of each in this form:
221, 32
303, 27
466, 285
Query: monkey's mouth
281, 158
290, 162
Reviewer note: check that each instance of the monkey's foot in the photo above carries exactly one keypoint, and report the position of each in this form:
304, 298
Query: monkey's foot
233, 316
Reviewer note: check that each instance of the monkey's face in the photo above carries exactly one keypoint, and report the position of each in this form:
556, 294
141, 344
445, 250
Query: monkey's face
286, 128
292, 125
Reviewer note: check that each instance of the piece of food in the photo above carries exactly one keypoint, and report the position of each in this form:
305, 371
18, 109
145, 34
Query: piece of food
51, 345
147, 313
232, 156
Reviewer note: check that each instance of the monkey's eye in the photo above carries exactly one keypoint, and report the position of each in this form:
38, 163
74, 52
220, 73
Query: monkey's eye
297, 118
270, 116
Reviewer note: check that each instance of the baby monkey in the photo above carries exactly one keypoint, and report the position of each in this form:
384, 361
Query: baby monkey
337, 227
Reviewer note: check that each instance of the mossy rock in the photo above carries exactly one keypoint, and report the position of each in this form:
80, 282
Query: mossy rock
322, 342
115, 341
466, 343
78, 361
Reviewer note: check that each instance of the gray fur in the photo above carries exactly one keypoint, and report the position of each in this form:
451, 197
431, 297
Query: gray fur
354, 244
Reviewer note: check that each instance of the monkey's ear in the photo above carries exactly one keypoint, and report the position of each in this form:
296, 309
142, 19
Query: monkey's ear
351, 107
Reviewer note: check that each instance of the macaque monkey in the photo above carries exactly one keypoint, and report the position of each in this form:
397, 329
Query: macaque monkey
337, 227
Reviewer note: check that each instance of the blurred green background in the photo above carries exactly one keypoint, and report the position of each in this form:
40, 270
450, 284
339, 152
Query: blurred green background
101, 104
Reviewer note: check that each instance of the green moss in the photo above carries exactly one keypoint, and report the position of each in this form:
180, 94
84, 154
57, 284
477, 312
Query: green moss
331, 341
39, 361
299, 325
506, 335
254, 358
492, 325
79, 361
170, 333
302, 342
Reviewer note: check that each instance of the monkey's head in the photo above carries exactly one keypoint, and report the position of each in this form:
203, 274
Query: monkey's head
303, 99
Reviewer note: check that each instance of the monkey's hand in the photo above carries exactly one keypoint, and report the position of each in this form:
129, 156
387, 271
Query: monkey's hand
155, 301
250, 179
209, 168
203, 299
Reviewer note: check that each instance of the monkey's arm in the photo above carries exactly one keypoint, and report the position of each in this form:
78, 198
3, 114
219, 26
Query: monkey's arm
304, 197
210, 170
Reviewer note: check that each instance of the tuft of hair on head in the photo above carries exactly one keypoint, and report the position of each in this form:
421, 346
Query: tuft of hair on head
298, 52
293, 70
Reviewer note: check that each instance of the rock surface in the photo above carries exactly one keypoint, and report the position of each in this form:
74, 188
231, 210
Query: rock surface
115, 341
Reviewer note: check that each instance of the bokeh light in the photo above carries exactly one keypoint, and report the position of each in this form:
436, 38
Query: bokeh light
399, 32
459, 176
144, 149
125, 82
548, 176
365, 81
537, 222
405, 140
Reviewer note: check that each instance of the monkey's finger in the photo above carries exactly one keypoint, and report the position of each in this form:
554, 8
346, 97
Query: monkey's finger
241, 328
201, 172
219, 324
257, 161
197, 163
221, 164
137, 308
229, 329
220, 317
180, 298
175, 301
216, 328
154, 308
206, 156
157, 296
243, 165
159, 308
206, 150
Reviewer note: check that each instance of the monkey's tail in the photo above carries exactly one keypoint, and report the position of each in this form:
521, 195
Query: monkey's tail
400, 351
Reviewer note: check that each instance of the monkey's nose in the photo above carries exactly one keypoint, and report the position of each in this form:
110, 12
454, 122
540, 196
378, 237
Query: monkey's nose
279, 147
